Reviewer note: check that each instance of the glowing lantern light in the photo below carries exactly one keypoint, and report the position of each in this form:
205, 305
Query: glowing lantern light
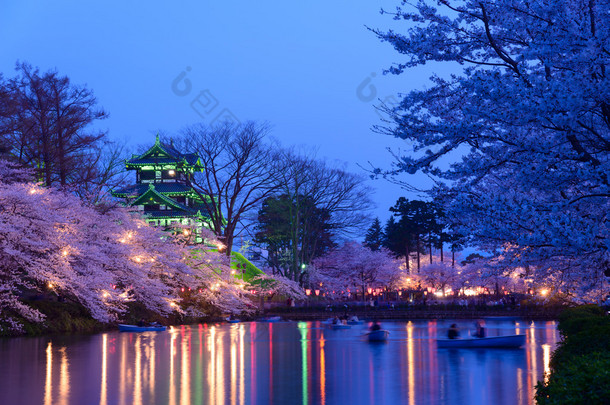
317, 292
370, 290
308, 291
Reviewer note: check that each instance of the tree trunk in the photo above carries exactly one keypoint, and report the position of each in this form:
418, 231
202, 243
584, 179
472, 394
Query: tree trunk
430, 241
407, 259
418, 254
441, 246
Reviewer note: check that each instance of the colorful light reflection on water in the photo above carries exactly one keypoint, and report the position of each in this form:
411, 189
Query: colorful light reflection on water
274, 363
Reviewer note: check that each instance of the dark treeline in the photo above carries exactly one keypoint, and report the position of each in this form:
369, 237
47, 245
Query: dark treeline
415, 228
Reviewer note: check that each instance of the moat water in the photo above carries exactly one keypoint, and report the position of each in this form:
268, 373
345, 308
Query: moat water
275, 363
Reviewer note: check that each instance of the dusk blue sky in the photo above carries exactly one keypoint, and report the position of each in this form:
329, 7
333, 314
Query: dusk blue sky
297, 65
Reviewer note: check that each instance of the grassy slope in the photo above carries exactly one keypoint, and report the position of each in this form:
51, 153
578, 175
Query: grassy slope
239, 259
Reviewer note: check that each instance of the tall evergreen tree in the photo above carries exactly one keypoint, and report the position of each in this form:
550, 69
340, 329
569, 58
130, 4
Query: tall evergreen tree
275, 232
374, 238
418, 226
399, 239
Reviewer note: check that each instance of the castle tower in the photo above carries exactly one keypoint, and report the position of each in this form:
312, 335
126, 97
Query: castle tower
162, 192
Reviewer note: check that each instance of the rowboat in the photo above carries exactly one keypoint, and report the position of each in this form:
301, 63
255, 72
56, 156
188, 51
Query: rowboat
380, 335
340, 326
233, 321
509, 341
135, 328
271, 319
355, 322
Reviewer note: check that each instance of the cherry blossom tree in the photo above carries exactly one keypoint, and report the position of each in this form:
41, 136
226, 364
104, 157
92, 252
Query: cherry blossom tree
52, 243
355, 267
439, 275
277, 284
526, 125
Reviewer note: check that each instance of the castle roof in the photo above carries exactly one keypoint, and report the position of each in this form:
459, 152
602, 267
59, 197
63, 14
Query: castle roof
171, 189
164, 154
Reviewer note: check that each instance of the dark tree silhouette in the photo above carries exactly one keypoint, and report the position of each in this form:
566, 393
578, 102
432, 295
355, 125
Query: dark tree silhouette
374, 237
275, 227
46, 121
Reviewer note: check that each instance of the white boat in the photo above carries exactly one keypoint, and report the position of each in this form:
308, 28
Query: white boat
340, 326
136, 328
509, 341
355, 321
380, 335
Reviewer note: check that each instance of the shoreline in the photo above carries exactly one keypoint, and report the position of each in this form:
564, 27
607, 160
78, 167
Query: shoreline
428, 313
538, 313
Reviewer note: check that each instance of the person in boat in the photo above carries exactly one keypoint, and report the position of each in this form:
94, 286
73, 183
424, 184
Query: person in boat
353, 318
375, 326
142, 322
453, 332
481, 332
336, 320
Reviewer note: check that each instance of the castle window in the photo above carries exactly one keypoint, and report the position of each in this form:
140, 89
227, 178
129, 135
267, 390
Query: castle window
168, 174
147, 175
